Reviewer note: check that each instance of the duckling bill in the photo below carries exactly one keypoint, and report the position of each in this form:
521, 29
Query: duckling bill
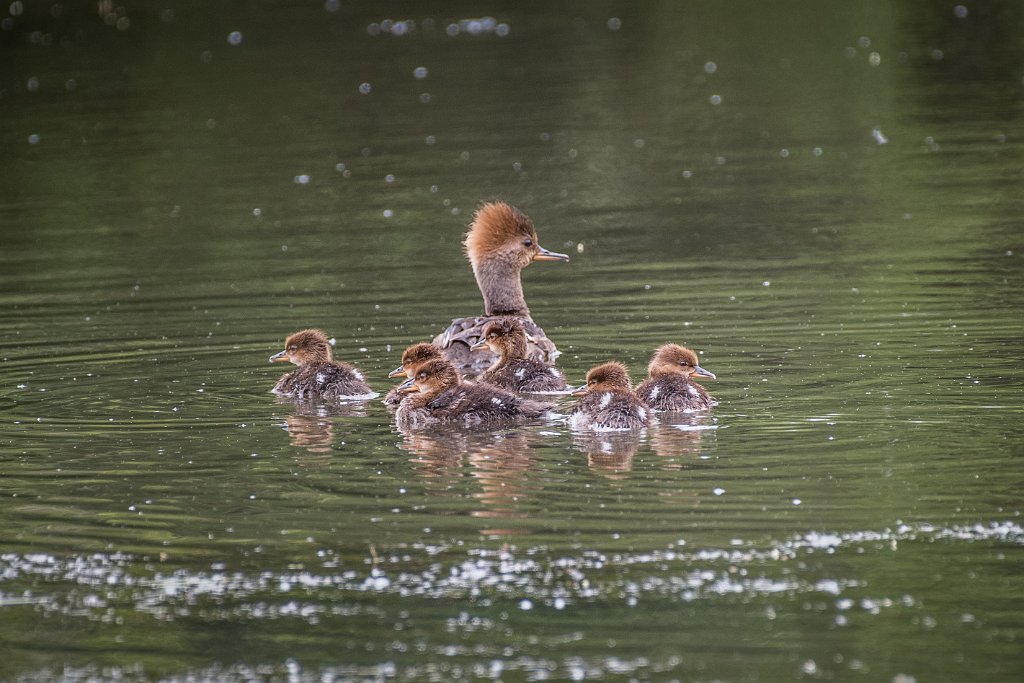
413, 358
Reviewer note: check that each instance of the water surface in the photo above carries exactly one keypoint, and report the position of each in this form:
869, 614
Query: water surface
824, 202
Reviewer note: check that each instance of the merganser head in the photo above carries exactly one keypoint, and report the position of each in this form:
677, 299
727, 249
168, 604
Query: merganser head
307, 346
501, 231
672, 359
610, 376
505, 337
432, 378
501, 242
413, 357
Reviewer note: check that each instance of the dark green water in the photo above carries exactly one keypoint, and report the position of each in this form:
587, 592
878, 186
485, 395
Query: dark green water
174, 205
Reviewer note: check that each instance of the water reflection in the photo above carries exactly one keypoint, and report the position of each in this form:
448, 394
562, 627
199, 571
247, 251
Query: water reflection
678, 438
497, 462
609, 453
721, 185
310, 424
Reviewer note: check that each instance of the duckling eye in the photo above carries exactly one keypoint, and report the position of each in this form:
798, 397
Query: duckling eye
293, 347
528, 242
492, 336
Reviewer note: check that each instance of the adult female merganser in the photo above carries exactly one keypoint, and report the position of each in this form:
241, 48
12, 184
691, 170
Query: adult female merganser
513, 370
439, 397
501, 242
668, 385
318, 375
608, 402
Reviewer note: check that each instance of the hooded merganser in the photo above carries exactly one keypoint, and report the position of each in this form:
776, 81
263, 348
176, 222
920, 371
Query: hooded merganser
318, 375
513, 370
501, 242
438, 396
608, 402
668, 385
412, 358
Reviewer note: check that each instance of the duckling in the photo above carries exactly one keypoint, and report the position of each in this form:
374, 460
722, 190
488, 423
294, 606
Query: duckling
501, 242
439, 397
513, 370
608, 402
412, 358
318, 375
668, 385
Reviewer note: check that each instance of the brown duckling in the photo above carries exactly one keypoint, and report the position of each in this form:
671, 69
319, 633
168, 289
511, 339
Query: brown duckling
412, 358
318, 375
437, 397
501, 242
668, 385
608, 402
513, 370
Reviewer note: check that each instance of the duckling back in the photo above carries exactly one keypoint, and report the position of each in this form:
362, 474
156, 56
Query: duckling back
323, 380
610, 410
525, 375
468, 405
674, 393
464, 333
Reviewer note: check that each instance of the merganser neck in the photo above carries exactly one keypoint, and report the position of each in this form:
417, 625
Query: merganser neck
501, 287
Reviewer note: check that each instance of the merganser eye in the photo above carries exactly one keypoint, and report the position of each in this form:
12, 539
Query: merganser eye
528, 242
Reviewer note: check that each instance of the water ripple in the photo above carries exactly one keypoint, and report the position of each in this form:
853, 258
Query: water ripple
507, 574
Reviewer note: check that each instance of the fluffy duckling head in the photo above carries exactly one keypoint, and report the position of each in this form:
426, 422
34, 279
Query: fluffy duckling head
505, 337
415, 356
672, 359
432, 378
610, 376
303, 348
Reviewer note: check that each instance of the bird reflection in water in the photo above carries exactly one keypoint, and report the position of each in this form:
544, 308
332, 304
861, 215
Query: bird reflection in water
497, 461
609, 453
679, 439
310, 424
678, 442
